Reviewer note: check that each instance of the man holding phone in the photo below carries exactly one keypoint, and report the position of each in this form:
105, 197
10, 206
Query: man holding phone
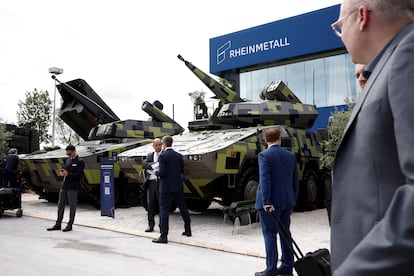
276, 196
72, 172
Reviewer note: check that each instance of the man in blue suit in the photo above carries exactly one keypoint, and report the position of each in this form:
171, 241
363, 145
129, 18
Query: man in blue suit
276, 197
11, 165
171, 169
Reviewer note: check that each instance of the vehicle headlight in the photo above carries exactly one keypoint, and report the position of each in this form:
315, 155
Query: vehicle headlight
194, 157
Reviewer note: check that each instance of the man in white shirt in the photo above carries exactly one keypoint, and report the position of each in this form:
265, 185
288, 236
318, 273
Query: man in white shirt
151, 183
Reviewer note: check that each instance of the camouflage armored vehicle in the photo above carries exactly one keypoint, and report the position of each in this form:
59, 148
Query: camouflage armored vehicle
105, 135
220, 153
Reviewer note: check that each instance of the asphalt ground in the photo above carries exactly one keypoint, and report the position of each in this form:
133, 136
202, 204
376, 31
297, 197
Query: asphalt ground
210, 230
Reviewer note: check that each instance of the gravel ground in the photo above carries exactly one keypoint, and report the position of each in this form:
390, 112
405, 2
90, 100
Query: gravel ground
310, 229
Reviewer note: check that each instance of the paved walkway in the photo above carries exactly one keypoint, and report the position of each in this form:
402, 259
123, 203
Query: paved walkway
310, 229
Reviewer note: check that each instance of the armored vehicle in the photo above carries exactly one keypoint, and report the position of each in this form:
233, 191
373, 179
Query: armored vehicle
221, 152
105, 135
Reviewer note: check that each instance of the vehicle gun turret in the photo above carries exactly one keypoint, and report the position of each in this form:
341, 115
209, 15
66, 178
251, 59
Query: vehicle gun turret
222, 92
279, 106
221, 153
105, 135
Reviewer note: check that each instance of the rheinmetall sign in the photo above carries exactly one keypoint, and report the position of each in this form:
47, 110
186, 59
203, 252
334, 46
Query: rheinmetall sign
288, 38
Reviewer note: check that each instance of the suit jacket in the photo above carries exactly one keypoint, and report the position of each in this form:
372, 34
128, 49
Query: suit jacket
74, 168
278, 178
372, 219
146, 165
12, 162
171, 169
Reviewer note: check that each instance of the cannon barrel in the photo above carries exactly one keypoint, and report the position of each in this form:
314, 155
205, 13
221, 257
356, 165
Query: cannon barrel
157, 114
222, 92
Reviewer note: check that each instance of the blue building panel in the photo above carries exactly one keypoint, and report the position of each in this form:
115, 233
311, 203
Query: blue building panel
296, 36
324, 114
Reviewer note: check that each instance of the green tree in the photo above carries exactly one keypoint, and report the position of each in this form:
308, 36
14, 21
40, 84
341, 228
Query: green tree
197, 97
4, 137
66, 134
336, 126
35, 112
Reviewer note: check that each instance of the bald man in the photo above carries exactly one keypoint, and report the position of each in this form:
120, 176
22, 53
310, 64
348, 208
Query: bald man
372, 219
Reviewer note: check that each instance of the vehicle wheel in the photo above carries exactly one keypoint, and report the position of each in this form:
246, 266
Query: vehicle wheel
129, 194
1, 211
197, 205
53, 197
173, 208
245, 219
19, 213
327, 185
308, 190
248, 184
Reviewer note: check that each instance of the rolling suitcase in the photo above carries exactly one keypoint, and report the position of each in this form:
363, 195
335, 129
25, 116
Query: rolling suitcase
316, 263
10, 199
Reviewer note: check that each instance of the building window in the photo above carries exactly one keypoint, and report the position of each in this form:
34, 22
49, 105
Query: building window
326, 81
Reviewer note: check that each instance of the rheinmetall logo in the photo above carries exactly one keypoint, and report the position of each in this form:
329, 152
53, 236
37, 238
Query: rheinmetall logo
252, 49
221, 52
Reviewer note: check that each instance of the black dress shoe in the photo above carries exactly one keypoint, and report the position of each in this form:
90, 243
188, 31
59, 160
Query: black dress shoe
160, 240
187, 233
285, 272
149, 229
54, 228
262, 273
67, 228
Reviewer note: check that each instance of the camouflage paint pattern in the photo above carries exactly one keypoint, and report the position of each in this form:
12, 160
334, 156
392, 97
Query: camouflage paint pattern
221, 153
103, 140
222, 92
214, 160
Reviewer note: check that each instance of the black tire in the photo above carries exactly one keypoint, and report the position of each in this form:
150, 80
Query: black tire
129, 194
309, 190
19, 213
197, 205
248, 184
52, 197
327, 185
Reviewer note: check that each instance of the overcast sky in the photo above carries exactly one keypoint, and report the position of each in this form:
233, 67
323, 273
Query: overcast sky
126, 49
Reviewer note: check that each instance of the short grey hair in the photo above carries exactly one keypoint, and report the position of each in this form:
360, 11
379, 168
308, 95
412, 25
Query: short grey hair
389, 9
167, 140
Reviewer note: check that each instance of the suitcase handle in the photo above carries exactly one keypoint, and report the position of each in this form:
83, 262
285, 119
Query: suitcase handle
287, 237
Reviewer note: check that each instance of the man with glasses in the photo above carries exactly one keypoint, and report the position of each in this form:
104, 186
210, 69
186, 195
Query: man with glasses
372, 219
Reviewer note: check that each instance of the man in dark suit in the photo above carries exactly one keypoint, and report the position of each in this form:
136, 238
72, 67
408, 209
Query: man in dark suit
11, 162
72, 172
359, 74
171, 169
372, 220
275, 197
151, 183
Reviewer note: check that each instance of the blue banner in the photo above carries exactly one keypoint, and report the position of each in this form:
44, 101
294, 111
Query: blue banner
301, 35
107, 187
